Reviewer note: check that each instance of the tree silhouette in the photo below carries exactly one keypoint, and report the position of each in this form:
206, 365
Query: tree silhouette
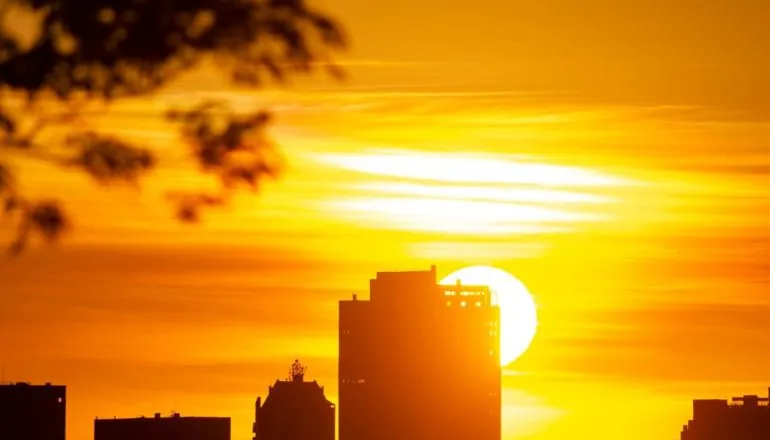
85, 51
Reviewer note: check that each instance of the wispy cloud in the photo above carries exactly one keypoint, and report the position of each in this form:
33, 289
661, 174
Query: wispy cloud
468, 168
484, 193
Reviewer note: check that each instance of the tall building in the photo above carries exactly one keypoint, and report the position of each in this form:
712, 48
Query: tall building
295, 409
419, 361
743, 418
32, 412
175, 427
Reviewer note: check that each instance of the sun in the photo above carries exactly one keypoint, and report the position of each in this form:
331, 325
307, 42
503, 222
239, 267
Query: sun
518, 314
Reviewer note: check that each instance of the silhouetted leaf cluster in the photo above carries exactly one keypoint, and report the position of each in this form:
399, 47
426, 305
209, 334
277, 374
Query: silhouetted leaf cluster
107, 49
132, 47
108, 159
45, 218
189, 204
7, 181
233, 147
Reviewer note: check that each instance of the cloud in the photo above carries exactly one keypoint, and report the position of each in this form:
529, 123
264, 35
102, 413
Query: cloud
466, 168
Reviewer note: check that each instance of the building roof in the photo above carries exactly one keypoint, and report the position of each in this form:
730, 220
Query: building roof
284, 391
296, 392
158, 417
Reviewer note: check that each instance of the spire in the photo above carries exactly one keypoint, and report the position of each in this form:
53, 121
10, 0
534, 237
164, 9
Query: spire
297, 371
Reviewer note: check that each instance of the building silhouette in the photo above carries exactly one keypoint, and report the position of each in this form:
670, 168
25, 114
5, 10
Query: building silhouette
294, 409
32, 412
742, 418
419, 361
174, 427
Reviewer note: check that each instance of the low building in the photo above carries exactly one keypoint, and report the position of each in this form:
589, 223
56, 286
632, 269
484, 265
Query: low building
174, 427
742, 418
33, 412
294, 409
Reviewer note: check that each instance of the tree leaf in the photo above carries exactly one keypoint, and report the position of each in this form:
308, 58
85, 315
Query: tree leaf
108, 159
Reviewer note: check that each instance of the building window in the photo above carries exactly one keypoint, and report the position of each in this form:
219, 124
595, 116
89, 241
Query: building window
448, 303
478, 303
462, 304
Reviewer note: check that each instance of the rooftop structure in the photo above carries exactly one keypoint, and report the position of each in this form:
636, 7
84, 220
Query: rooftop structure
741, 418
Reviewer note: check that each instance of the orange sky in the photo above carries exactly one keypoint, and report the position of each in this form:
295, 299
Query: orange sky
612, 155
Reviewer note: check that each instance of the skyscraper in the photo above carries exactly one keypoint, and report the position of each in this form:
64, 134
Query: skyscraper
744, 418
295, 409
419, 361
32, 412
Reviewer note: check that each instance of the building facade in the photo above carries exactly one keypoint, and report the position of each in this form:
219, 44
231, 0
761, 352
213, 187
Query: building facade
294, 409
419, 361
175, 427
33, 412
742, 418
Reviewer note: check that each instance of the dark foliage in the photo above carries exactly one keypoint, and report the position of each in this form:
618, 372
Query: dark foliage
7, 182
109, 159
45, 218
239, 153
109, 49
132, 47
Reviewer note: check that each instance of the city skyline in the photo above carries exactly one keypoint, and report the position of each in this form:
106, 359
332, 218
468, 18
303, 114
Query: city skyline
402, 295
298, 410
518, 387
385, 395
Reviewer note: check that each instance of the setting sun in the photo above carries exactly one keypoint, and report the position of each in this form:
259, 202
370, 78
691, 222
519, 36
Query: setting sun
518, 314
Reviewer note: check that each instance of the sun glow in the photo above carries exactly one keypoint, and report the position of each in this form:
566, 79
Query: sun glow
467, 194
468, 168
461, 216
518, 314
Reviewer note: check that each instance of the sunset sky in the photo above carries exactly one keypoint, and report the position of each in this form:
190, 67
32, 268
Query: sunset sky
612, 155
